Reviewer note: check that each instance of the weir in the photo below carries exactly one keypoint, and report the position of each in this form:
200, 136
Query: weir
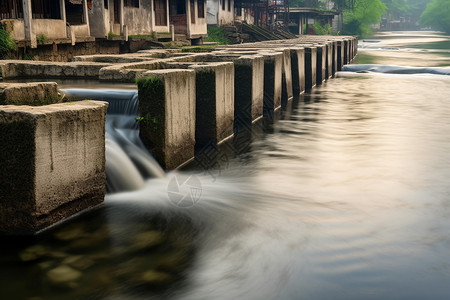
185, 100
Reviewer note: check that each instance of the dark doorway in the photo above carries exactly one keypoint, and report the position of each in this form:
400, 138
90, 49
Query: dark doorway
160, 13
74, 12
177, 12
117, 11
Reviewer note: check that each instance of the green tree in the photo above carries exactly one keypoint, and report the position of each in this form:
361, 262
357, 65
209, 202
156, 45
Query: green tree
364, 13
437, 15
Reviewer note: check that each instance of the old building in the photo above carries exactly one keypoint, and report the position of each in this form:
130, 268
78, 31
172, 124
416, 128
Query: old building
40, 20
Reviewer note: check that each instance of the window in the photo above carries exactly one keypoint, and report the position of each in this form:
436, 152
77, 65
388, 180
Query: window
201, 8
192, 2
131, 3
11, 9
106, 4
223, 4
229, 5
45, 9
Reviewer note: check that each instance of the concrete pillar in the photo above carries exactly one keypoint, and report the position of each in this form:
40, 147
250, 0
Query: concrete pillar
214, 102
334, 58
321, 63
52, 164
248, 91
310, 67
329, 60
340, 55
346, 52
167, 109
121, 16
28, 23
298, 70
273, 65
286, 91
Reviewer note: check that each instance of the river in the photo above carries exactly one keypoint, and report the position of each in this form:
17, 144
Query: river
348, 197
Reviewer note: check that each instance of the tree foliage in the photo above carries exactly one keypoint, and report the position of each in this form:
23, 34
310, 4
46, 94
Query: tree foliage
437, 15
364, 13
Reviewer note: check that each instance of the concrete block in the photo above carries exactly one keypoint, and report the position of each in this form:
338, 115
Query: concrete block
346, 52
286, 91
334, 57
35, 93
273, 66
33, 69
52, 164
298, 70
310, 67
321, 63
340, 55
167, 109
248, 91
214, 102
329, 61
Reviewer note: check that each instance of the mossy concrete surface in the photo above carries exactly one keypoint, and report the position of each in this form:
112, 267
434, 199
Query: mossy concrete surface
36, 93
167, 114
52, 164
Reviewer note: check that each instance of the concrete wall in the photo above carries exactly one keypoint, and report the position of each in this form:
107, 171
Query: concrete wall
52, 29
81, 30
218, 16
139, 20
167, 104
16, 27
98, 19
53, 163
212, 12
199, 28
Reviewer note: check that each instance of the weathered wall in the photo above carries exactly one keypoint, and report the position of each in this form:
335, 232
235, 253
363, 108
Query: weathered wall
199, 28
138, 20
52, 164
98, 19
81, 30
52, 29
16, 27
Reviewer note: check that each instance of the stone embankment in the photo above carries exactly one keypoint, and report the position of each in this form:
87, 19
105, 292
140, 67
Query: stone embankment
53, 162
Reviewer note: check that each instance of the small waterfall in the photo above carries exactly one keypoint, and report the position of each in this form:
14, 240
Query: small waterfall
128, 162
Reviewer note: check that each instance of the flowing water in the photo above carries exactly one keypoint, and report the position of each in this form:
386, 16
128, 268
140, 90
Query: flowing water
348, 197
